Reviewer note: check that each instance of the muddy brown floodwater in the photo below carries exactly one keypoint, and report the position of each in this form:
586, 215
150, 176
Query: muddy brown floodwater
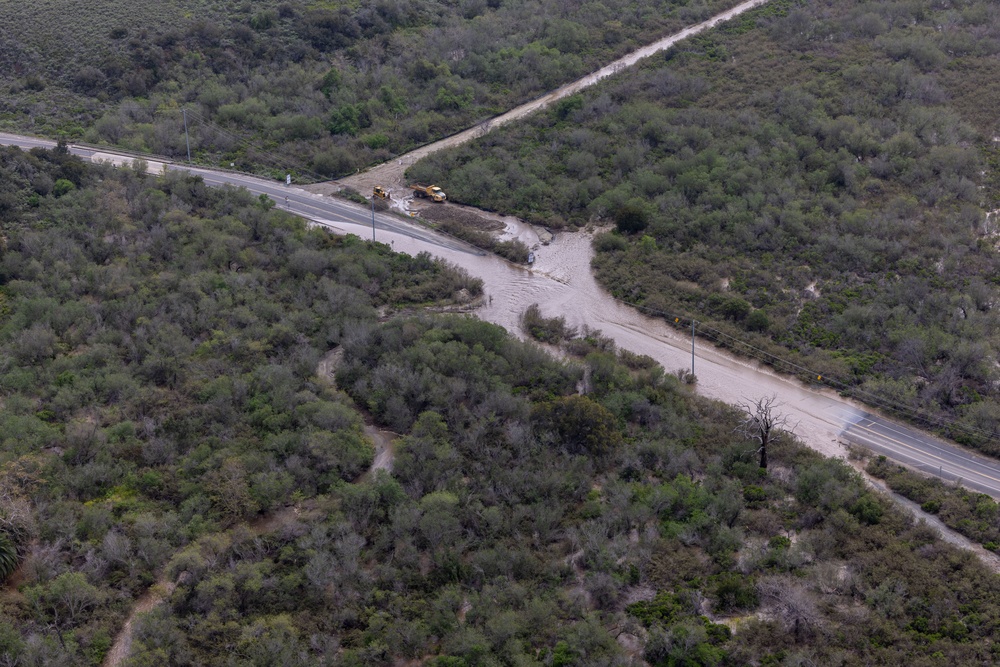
562, 284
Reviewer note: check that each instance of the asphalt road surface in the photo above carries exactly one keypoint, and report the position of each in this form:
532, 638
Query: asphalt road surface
337, 214
561, 281
929, 455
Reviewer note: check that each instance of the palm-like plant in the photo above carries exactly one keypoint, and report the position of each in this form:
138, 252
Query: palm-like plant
8, 556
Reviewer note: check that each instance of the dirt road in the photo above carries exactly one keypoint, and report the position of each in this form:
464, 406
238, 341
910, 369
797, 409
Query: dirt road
390, 174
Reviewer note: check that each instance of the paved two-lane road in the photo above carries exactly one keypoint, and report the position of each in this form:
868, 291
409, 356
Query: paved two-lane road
562, 284
929, 455
337, 214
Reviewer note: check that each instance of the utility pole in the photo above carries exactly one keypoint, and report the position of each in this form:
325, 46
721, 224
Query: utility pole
692, 346
373, 218
186, 139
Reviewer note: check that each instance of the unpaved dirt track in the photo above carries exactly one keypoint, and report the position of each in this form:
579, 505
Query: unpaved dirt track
163, 587
562, 284
390, 174
147, 601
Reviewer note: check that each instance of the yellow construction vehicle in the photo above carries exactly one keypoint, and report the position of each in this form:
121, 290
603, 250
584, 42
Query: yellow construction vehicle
432, 192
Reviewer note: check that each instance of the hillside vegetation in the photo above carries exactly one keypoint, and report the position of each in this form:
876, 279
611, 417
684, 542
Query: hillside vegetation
321, 86
161, 421
812, 178
158, 342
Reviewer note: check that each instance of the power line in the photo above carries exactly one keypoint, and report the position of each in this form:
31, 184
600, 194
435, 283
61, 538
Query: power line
727, 340
283, 161
279, 160
720, 337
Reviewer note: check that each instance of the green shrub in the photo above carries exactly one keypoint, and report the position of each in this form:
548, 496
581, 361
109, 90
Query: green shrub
545, 329
735, 308
262, 21
662, 609
8, 556
376, 141
735, 591
867, 509
333, 162
758, 321
62, 187
631, 217
931, 506
780, 542
609, 242
515, 250
754, 495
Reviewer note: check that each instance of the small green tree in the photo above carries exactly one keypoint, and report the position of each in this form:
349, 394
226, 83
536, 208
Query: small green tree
758, 321
65, 600
63, 186
583, 425
11, 644
631, 217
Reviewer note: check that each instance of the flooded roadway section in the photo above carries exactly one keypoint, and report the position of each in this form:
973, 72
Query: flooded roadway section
562, 284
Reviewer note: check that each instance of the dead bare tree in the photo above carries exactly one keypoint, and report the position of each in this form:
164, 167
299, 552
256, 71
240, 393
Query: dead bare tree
790, 602
763, 423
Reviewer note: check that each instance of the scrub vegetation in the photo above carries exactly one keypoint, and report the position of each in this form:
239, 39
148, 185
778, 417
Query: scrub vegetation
975, 515
811, 178
161, 422
325, 87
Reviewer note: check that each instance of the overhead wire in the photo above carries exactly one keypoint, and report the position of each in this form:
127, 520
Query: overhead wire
289, 165
720, 337
727, 340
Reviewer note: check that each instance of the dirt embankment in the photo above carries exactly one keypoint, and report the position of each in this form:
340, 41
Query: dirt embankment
463, 215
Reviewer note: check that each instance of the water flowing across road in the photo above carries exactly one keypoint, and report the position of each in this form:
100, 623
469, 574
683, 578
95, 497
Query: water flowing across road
562, 283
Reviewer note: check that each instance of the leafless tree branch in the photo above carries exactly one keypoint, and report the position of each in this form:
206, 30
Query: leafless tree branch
763, 422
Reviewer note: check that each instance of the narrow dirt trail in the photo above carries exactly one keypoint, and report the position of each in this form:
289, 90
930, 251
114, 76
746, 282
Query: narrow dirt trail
385, 449
570, 279
262, 525
990, 559
562, 284
156, 594
163, 587
384, 440
390, 174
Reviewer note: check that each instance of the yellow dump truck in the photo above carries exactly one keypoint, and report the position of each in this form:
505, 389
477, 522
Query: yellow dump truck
431, 192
